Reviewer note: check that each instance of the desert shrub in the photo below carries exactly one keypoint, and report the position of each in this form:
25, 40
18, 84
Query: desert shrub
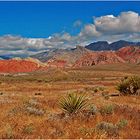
29, 129
129, 86
122, 123
31, 102
109, 128
35, 111
32, 107
73, 103
108, 109
93, 110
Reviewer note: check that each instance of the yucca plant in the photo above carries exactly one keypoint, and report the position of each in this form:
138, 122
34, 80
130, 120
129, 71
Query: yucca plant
129, 86
73, 103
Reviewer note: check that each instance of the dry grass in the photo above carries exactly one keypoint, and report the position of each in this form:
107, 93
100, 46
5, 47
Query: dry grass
40, 93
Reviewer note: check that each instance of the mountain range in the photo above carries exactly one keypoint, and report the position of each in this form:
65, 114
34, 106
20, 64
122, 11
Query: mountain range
104, 45
94, 54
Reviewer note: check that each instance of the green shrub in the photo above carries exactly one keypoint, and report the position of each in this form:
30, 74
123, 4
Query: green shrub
122, 123
73, 103
93, 110
109, 128
108, 109
129, 86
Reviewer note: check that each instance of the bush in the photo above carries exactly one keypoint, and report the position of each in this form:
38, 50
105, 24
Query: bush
108, 109
122, 123
73, 103
33, 107
35, 111
93, 110
129, 86
109, 128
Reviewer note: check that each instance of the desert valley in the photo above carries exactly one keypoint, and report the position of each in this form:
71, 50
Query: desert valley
72, 93
69, 69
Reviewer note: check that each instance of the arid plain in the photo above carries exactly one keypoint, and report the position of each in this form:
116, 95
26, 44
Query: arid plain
29, 103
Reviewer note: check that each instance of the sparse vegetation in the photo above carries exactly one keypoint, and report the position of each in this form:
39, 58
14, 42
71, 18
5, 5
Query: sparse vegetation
122, 123
73, 103
129, 85
93, 110
110, 128
32, 107
25, 114
107, 109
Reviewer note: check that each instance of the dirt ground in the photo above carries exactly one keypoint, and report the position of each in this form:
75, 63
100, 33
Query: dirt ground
29, 103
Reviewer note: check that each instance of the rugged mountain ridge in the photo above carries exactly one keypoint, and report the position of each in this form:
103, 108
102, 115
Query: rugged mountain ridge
130, 54
78, 57
104, 45
70, 56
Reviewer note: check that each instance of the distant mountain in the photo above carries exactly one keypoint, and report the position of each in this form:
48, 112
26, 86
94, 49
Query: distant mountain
128, 54
5, 57
120, 44
104, 45
98, 46
70, 56
77, 57
100, 57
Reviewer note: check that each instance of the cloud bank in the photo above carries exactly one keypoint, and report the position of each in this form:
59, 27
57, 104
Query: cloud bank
125, 26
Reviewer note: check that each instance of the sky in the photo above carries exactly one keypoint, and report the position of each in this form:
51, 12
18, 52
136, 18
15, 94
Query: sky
42, 19
65, 24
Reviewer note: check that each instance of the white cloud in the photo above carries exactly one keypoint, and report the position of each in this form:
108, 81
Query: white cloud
126, 22
111, 28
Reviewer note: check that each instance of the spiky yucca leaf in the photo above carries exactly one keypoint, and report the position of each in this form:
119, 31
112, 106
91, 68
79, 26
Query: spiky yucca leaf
73, 103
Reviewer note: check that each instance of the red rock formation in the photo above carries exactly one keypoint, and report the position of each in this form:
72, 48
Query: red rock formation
14, 66
123, 55
129, 54
57, 63
104, 57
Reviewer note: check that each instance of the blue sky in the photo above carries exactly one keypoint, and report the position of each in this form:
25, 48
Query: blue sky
42, 19
27, 28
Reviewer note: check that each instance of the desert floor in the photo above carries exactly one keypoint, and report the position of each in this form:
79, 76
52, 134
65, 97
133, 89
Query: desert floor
29, 103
